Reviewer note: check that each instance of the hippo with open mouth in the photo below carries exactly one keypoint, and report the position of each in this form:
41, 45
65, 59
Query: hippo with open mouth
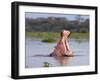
62, 47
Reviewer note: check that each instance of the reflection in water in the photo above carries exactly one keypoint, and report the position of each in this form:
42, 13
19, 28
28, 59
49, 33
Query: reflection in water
63, 60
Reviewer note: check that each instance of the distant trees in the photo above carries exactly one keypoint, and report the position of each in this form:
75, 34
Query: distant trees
56, 24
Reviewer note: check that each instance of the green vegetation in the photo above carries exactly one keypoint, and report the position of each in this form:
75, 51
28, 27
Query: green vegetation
56, 24
49, 40
52, 36
48, 37
43, 34
46, 64
49, 28
79, 35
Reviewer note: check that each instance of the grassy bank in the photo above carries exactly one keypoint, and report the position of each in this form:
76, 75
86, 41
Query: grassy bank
51, 36
79, 35
43, 34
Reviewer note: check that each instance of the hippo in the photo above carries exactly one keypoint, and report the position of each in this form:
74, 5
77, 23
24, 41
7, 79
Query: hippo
62, 47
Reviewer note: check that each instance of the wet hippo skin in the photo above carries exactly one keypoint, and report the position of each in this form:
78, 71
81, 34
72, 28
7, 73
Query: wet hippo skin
62, 47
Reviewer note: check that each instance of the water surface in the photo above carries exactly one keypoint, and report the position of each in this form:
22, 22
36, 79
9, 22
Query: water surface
37, 53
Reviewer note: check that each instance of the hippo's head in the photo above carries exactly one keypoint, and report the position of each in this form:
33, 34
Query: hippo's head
65, 33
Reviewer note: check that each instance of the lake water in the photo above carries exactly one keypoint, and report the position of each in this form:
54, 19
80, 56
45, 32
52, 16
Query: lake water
37, 51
